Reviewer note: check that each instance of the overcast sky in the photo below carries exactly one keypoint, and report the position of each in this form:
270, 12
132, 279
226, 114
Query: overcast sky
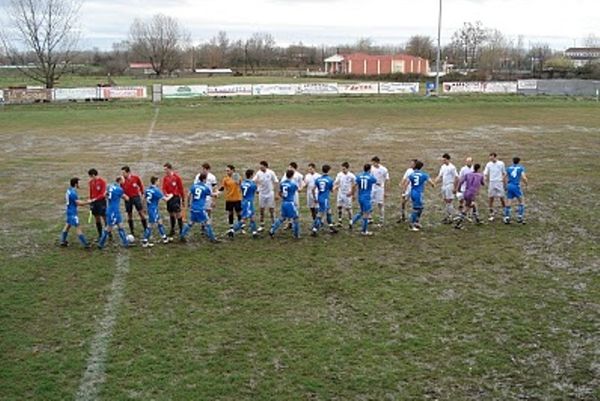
560, 23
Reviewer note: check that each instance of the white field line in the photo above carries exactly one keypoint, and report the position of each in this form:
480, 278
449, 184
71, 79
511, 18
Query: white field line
95, 372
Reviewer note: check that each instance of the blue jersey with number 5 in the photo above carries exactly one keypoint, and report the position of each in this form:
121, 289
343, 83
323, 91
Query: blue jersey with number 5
418, 179
288, 190
199, 192
365, 182
248, 190
514, 174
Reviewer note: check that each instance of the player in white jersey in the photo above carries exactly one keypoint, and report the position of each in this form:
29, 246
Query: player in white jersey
460, 191
378, 194
266, 180
495, 177
309, 182
343, 184
406, 193
211, 181
449, 178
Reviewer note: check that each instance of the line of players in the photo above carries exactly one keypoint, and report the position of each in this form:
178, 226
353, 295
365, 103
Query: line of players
368, 187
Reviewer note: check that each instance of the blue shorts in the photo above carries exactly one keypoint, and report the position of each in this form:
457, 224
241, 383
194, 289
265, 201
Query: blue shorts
514, 191
73, 220
113, 217
289, 211
153, 216
247, 209
366, 206
198, 216
324, 205
417, 200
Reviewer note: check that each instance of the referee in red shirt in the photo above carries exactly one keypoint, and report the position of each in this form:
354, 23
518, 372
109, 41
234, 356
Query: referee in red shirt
173, 185
97, 186
134, 188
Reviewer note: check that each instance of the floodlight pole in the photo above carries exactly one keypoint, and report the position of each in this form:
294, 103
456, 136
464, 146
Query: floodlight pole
439, 52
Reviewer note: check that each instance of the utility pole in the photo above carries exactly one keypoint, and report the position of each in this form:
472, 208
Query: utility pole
439, 52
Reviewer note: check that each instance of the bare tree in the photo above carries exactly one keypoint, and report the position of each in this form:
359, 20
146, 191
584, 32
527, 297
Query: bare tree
420, 46
43, 32
470, 38
159, 41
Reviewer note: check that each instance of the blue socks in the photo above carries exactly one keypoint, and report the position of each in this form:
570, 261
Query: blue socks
103, 239
83, 240
365, 225
63, 236
253, 226
329, 219
276, 225
296, 228
356, 217
507, 211
209, 232
185, 230
521, 211
123, 237
147, 233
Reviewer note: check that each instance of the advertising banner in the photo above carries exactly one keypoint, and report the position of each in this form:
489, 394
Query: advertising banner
230, 90
124, 92
463, 87
326, 88
359, 88
76, 93
28, 95
500, 87
399, 87
275, 89
527, 84
184, 91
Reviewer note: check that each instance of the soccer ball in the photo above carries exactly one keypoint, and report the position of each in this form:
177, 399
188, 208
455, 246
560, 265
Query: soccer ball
130, 239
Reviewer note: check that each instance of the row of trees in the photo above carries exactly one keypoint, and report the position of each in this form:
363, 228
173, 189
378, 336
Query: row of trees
44, 34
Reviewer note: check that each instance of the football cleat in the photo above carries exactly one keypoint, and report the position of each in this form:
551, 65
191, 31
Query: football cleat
254, 234
366, 233
414, 228
506, 220
64, 244
260, 229
230, 233
147, 244
491, 218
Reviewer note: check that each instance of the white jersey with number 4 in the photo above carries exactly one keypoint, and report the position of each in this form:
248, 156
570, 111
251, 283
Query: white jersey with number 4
265, 181
344, 182
448, 174
381, 174
495, 170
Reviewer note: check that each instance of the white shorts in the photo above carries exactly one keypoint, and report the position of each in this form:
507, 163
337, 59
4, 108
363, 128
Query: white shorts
496, 189
448, 191
209, 203
311, 202
266, 201
344, 201
377, 195
460, 196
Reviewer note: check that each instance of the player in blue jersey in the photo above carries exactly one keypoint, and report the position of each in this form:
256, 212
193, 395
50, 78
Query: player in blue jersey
514, 175
153, 196
417, 181
323, 187
248, 188
289, 211
364, 184
72, 218
199, 192
114, 194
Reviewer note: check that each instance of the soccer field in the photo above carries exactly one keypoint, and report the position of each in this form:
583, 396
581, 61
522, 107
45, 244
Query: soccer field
492, 312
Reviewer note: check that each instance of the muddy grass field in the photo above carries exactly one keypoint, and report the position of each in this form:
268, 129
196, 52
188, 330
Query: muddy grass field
492, 312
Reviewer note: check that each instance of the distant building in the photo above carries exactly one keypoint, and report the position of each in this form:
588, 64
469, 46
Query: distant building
581, 56
141, 69
367, 64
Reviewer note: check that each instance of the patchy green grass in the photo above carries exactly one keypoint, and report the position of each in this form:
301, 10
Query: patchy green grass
491, 312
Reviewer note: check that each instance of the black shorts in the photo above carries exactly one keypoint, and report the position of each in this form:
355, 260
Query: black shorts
135, 201
174, 204
98, 207
233, 205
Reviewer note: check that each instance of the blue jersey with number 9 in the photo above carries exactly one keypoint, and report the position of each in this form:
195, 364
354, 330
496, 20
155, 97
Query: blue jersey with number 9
198, 193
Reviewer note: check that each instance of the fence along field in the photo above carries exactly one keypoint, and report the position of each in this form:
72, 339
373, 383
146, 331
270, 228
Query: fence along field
525, 87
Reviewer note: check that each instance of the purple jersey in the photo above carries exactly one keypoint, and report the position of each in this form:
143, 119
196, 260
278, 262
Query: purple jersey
473, 182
